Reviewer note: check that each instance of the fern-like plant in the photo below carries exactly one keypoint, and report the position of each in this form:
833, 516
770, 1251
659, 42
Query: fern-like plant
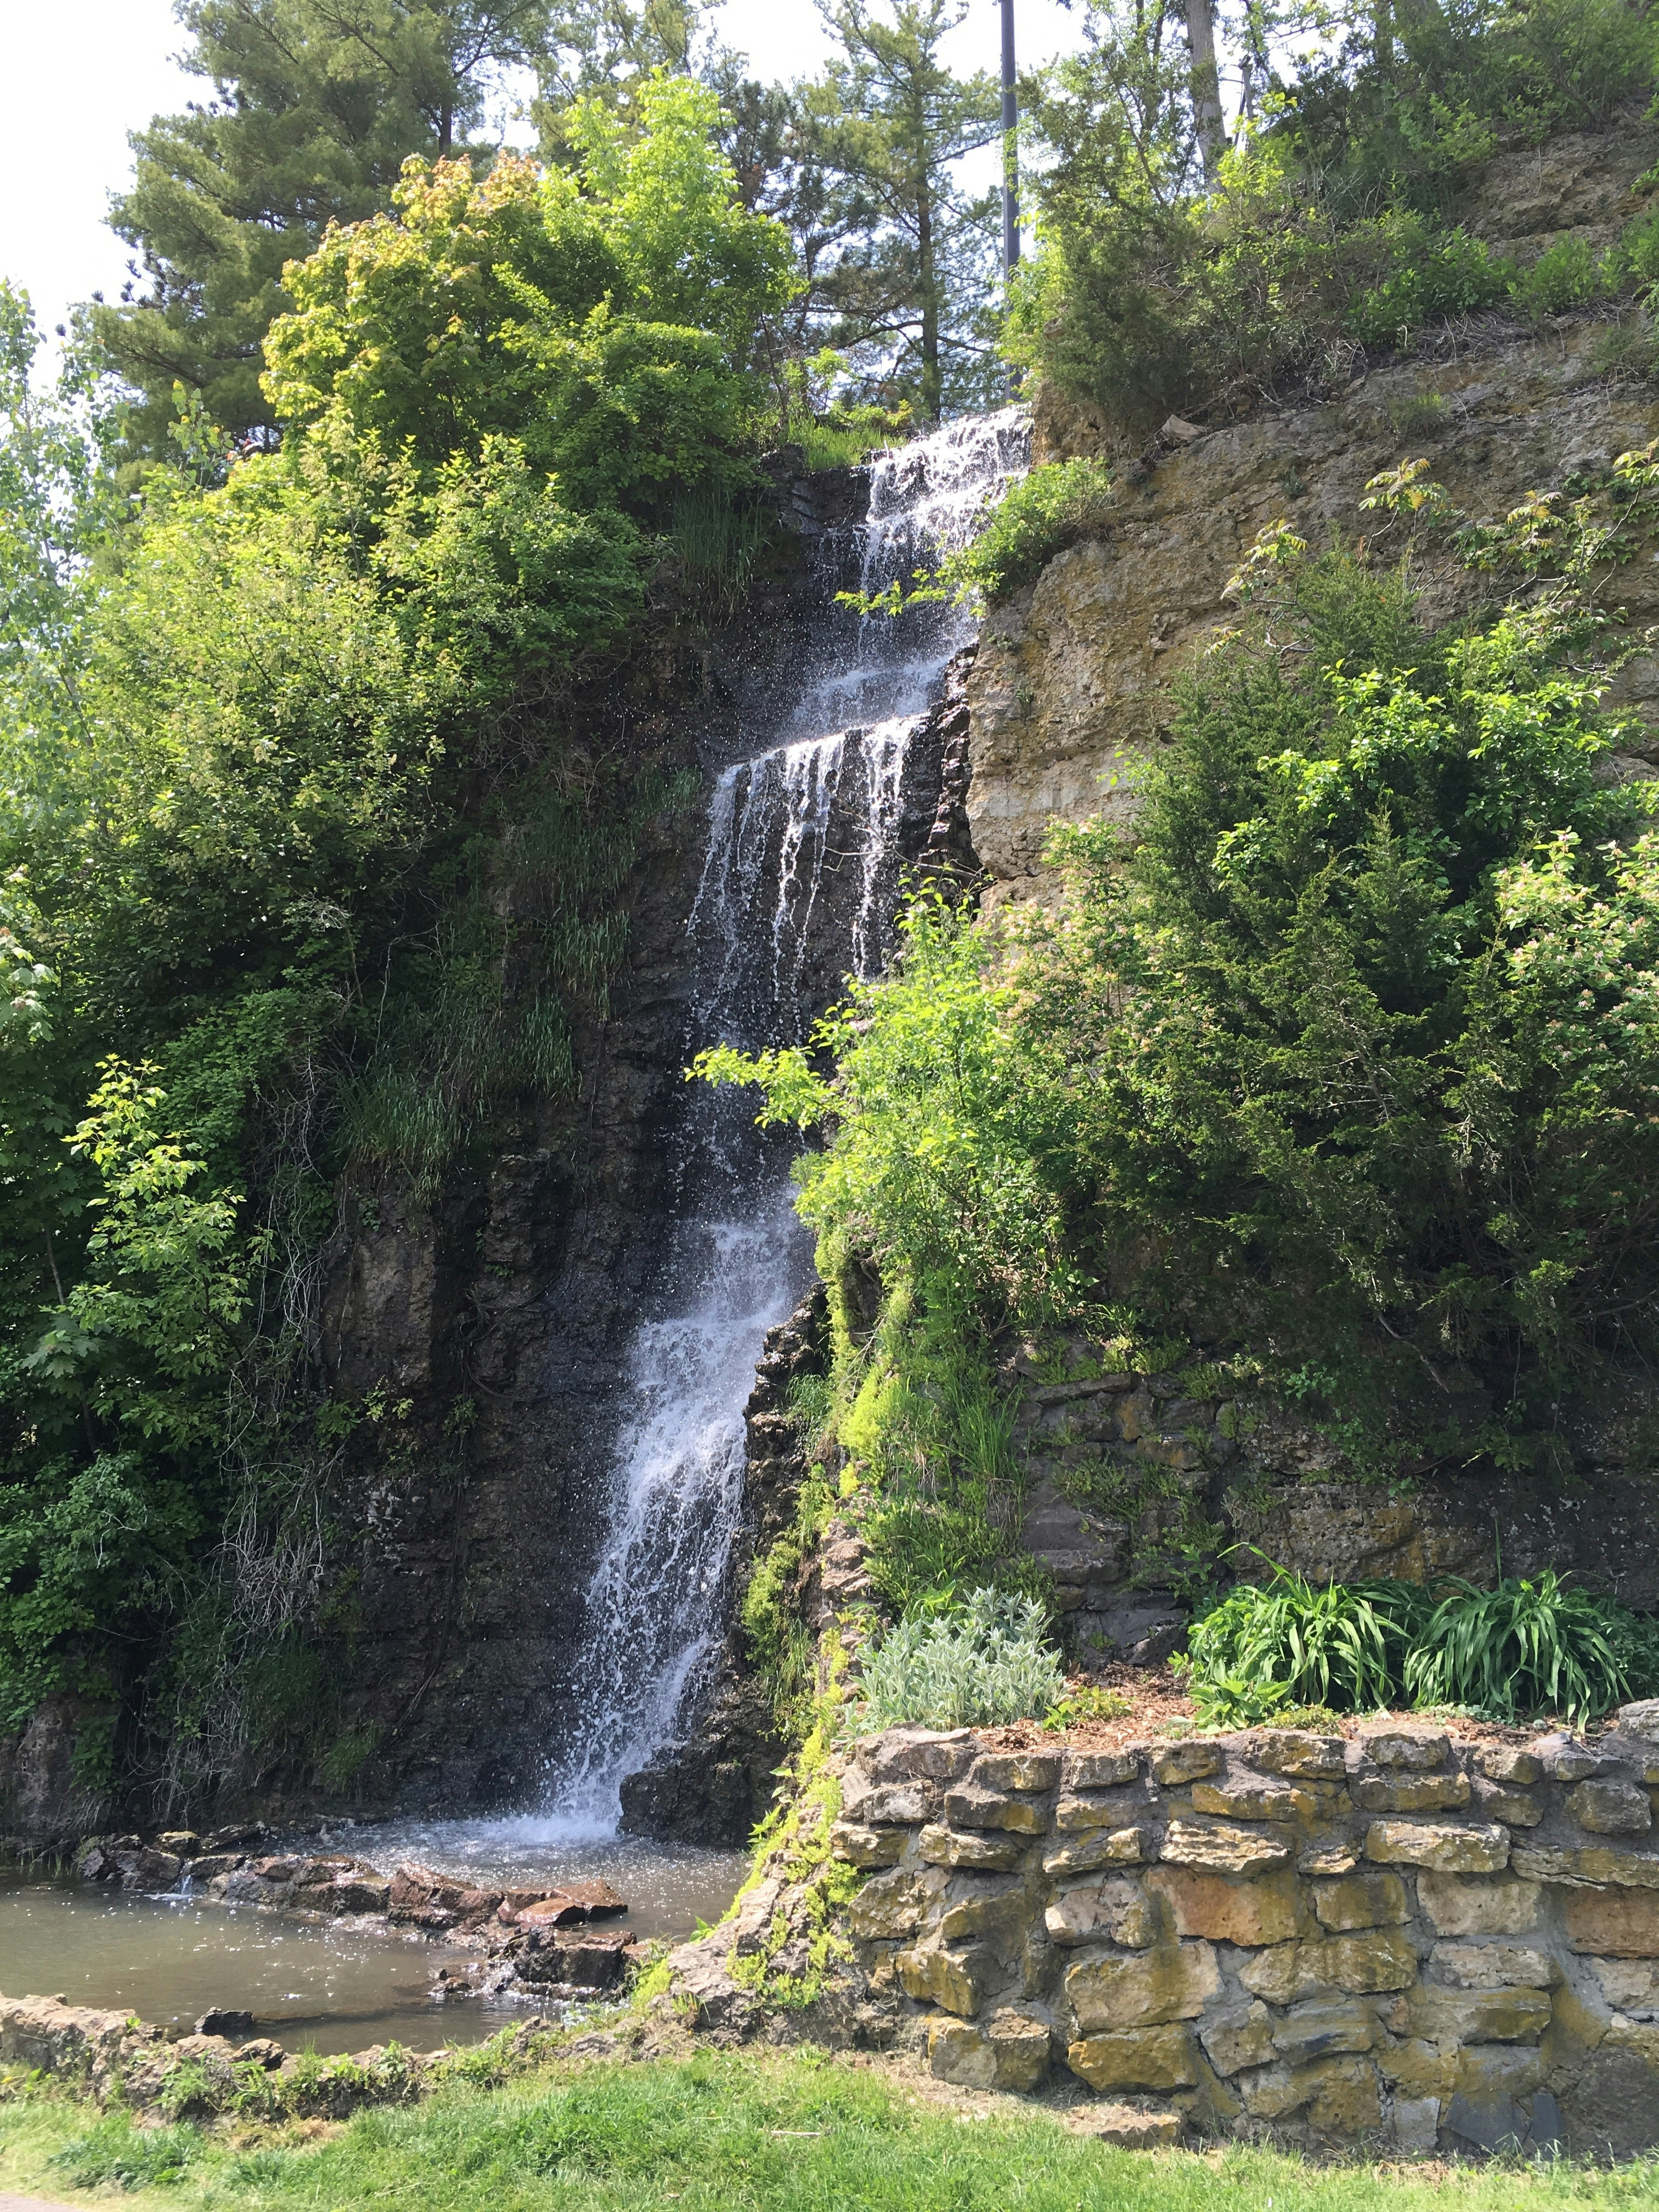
1526, 1647
979, 1668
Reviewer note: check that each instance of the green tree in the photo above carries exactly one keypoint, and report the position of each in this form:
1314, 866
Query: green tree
265, 720
607, 49
907, 288
604, 315
315, 106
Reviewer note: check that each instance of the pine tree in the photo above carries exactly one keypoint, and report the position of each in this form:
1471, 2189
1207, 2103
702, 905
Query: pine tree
315, 106
910, 290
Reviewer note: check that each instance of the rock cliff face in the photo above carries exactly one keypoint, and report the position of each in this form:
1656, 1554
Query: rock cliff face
487, 1321
1396, 1937
1071, 688
1071, 681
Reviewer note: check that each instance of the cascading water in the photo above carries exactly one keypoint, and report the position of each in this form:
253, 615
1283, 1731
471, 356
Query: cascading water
798, 888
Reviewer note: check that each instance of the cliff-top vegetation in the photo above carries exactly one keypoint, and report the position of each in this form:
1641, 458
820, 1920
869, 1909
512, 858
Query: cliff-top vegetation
1332, 1081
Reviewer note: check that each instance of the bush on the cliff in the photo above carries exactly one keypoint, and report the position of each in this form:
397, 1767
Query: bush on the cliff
982, 1667
1330, 227
1349, 1062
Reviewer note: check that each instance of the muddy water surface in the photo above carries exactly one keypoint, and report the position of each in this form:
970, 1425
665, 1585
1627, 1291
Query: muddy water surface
170, 1959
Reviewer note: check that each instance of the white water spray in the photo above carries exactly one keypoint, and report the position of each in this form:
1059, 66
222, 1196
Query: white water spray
782, 826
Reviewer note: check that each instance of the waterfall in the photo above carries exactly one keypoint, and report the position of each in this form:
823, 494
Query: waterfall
799, 885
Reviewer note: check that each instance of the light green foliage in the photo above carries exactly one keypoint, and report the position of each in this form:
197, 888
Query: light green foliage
1287, 1643
934, 1166
979, 1668
163, 1288
1529, 1646
1057, 504
781, 1647
772, 2132
602, 315
1079, 1707
794, 1844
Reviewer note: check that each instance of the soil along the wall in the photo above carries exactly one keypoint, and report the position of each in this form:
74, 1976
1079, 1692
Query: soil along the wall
1393, 1937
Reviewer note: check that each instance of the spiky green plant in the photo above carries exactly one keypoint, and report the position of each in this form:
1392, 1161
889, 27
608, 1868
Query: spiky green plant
1285, 1642
1527, 1647
979, 1668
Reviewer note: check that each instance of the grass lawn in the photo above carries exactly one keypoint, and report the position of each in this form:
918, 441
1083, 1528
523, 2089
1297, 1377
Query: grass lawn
727, 2133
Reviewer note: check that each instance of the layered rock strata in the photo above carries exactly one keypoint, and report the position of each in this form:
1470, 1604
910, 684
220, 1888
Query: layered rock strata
1394, 1938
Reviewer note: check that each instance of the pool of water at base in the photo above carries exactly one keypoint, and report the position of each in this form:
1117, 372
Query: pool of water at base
332, 1988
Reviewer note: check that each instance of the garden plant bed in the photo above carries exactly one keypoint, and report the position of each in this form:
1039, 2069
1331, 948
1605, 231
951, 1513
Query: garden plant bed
1160, 1706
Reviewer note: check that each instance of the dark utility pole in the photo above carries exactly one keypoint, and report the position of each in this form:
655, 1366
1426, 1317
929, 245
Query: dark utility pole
1010, 154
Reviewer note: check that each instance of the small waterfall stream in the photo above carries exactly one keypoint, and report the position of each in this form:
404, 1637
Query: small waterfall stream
798, 888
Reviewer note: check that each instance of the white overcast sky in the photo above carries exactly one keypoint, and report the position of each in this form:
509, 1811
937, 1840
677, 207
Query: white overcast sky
84, 73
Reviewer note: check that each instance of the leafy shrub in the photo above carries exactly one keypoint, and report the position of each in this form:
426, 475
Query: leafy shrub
979, 1668
1287, 1643
1056, 505
1566, 276
1522, 1649
1406, 271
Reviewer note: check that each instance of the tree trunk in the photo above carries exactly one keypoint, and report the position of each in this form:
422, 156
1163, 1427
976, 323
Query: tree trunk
1382, 37
932, 381
1206, 85
445, 129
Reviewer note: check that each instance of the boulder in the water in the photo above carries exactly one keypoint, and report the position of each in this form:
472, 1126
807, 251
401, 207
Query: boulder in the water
222, 2020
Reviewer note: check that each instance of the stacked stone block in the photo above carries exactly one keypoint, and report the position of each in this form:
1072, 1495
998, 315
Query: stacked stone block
1393, 1937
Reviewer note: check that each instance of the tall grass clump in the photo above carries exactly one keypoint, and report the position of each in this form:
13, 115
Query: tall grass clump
1287, 1643
1526, 1647
981, 1667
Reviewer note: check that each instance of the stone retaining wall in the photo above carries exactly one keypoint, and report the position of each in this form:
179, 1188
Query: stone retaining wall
1396, 1937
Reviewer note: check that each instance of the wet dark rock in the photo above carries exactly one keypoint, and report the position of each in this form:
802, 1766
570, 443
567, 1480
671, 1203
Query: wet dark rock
222, 2021
46, 1804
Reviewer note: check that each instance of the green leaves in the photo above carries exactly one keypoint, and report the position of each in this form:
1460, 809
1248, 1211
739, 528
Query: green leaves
979, 1668
1527, 1650
603, 319
1289, 1643
1528, 1647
